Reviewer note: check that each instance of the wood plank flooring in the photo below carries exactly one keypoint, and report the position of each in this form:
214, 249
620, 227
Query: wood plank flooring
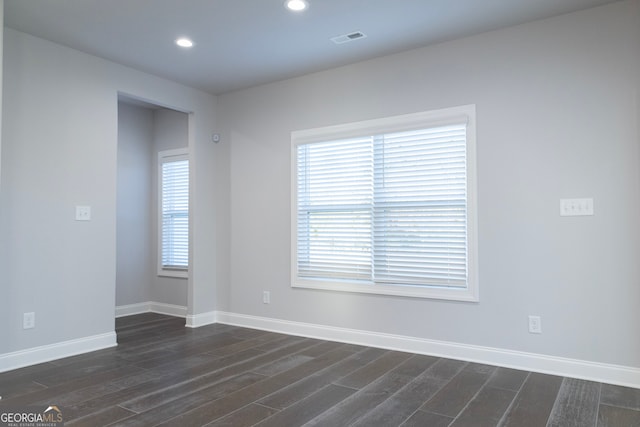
163, 374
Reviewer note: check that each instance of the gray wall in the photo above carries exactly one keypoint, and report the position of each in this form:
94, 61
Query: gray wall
142, 134
59, 149
557, 117
170, 131
135, 268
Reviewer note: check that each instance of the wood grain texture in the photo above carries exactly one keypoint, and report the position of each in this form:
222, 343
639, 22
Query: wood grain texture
485, 409
576, 404
508, 379
401, 405
534, 402
359, 404
459, 391
162, 373
303, 388
102, 417
612, 416
374, 370
308, 408
248, 416
190, 401
234, 401
625, 397
423, 419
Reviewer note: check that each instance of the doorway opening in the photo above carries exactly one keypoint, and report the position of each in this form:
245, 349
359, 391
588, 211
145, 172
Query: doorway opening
146, 133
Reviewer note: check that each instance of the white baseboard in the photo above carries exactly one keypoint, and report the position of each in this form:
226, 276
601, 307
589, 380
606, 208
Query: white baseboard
192, 320
46, 353
168, 309
151, 307
131, 309
202, 319
593, 371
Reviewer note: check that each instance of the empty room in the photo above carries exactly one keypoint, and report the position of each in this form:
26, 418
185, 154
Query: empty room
320, 213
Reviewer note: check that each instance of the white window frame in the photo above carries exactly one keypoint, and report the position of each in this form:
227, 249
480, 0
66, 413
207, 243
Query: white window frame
167, 156
413, 121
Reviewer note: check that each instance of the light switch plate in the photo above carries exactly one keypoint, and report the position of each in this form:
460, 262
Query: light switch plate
576, 207
83, 213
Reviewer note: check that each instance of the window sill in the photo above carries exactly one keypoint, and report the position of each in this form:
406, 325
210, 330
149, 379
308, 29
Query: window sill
181, 274
427, 292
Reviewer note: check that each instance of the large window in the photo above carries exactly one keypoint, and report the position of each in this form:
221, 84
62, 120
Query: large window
387, 206
174, 213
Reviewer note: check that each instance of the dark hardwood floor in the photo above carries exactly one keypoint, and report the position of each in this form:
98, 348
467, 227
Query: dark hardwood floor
162, 373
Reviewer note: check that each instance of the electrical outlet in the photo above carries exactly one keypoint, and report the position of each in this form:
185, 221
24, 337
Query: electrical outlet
535, 325
266, 297
28, 320
83, 213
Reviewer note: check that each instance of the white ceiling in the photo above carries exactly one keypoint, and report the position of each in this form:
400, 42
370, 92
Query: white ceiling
241, 43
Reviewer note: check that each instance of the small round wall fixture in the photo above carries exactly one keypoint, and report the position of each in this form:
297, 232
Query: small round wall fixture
184, 42
296, 5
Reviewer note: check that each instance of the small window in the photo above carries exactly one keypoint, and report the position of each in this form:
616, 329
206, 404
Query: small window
387, 206
174, 213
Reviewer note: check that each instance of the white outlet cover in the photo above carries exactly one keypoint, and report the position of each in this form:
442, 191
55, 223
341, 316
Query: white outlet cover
29, 320
83, 213
535, 325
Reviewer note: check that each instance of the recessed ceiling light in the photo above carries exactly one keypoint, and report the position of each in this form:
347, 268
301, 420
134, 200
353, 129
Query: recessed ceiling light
184, 42
296, 5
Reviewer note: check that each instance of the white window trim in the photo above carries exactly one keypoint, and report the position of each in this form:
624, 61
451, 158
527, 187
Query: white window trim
390, 124
164, 156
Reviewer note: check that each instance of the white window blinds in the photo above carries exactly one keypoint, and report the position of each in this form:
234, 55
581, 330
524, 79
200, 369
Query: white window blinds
334, 209
175, 212
387, 209
420, 207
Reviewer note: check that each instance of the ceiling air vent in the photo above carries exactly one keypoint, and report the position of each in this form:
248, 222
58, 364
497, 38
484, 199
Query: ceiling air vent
348, 37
